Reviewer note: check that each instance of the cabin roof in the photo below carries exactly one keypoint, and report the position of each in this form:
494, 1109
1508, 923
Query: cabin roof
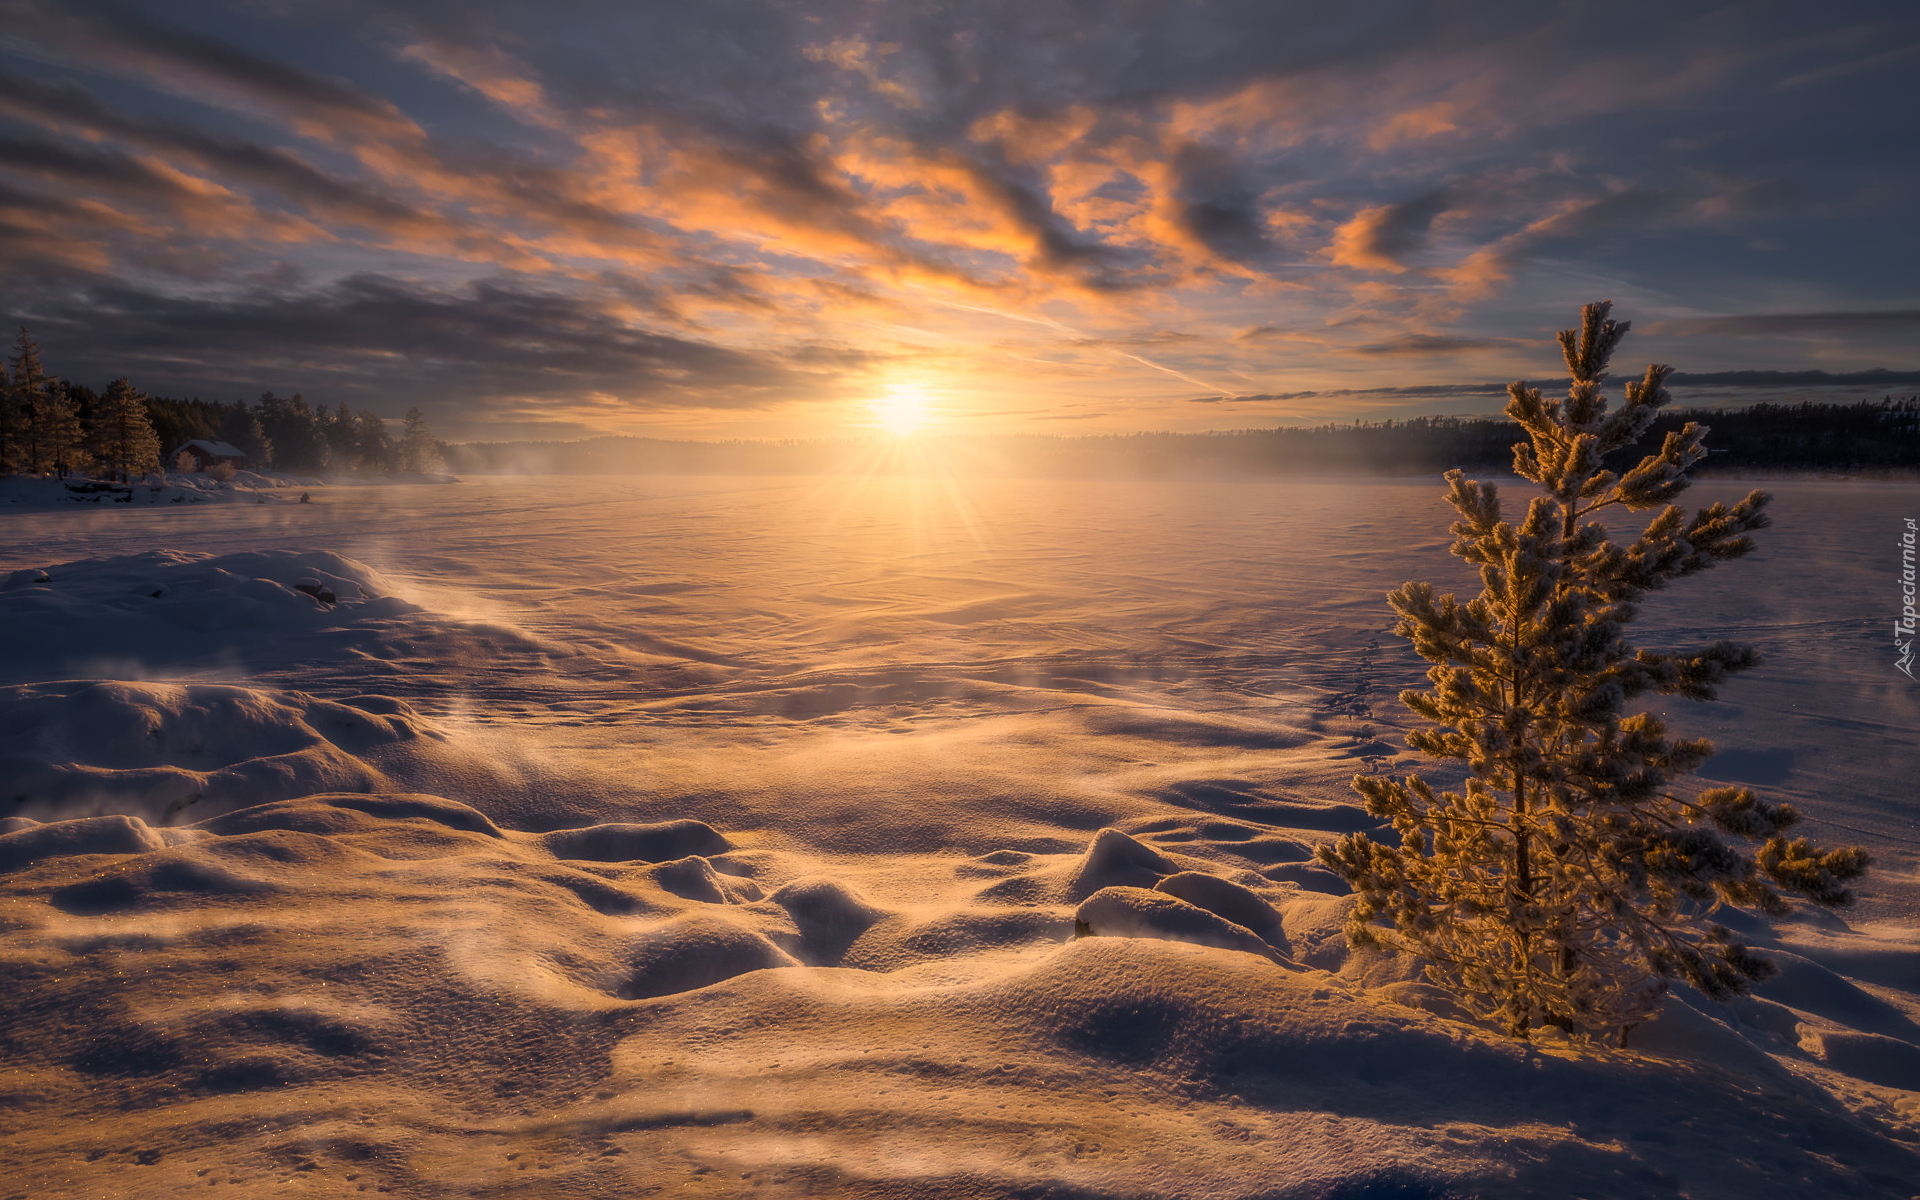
213, 449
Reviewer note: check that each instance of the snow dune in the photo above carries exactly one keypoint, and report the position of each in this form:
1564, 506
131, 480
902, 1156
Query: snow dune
753, 839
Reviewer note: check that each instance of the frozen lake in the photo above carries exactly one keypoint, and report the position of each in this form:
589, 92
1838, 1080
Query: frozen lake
1013, 623
902, 711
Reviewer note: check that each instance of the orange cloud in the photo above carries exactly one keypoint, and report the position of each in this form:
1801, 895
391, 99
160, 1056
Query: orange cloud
1414, 125
1380, 238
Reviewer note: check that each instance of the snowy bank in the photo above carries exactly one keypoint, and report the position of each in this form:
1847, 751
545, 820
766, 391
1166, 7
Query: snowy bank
170, 487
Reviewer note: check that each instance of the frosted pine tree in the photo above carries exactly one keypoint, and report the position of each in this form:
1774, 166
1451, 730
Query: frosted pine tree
1569, 881
122, 437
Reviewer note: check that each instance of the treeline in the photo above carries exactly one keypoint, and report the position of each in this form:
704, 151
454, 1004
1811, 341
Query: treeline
51, 426
288, 434
1880, 435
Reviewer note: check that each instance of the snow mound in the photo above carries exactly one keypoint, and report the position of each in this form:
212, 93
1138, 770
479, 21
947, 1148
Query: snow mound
166, 609
1802, 984
1139, 913
183, 876
202, 591
171, 614
1115, 860
625, 842
352, 813
696, 952
827, 915
1869, 1056
84, 835
1230, 901
168, 752
694, 878
1310, 877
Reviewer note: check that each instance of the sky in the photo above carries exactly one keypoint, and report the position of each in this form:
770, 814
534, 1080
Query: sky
729, 219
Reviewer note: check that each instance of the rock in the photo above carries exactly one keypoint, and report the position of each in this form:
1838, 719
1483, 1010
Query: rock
319, 591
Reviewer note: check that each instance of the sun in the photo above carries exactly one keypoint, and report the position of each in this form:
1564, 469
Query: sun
901, 411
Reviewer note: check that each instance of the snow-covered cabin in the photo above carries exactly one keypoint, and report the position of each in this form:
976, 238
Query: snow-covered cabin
206, 453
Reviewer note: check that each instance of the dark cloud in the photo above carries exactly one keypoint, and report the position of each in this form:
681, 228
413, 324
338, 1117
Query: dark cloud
1219, 205
1796, 325
68, 105
112, 33
1413, 392
1756, 380
1781, 379
1416, 344
369, 337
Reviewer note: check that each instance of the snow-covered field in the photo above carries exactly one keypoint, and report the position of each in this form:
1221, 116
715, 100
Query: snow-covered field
725, 837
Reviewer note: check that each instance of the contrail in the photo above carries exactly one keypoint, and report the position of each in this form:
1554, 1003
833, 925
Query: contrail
1050, 323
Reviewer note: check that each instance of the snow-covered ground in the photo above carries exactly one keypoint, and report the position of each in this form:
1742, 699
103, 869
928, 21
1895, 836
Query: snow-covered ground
185, 487
162, 487
723, 837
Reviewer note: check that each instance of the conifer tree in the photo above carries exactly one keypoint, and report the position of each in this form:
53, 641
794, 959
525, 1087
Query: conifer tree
9, 423
1569, 880
342, 453
123, 440
377, 452
240, 428
294, 432
417, 450
61, 431
25, 390
44, 419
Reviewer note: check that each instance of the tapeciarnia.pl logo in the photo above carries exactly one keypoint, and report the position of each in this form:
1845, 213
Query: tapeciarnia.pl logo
1903, 628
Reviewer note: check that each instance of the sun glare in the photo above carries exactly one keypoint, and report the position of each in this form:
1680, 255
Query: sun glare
902, 411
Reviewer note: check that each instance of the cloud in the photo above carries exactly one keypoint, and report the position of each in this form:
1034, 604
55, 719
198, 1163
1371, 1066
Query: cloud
1381, 238
1214, 204
1778, 379
1870, 62
789, 195
373, 339
1419, 344
67, 106
319, 104
1797, 325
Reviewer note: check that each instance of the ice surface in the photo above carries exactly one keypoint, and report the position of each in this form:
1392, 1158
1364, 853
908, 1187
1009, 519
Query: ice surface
728, 837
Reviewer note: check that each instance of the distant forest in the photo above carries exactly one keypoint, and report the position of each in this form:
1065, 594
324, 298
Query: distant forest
287, 434
50, 425
1869, 436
